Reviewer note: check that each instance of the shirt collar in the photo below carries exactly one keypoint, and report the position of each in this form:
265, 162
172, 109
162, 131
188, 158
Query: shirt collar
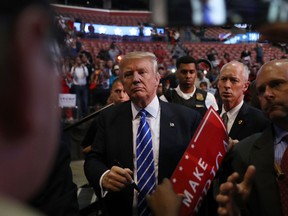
185, 95
152, 108
233, 112
279, 134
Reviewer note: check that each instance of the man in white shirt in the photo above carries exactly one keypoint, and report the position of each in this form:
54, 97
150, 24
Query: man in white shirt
79, 73
172, 126
186, 92
243, 119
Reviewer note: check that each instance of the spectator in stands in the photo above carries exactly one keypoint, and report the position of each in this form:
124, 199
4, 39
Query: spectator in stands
103, 53
141, 29
178, 51
91, 30
259, 53
114, 51
87, 54
159, 53
72, 48
204, 86
246, 56
211, 54
201, 77
190, 52
109, 70
186, 92
168, 78
88, 65
115, 73
66, 83
78, 44
29, 119
101, 78
224, 60
79, 72
117, 95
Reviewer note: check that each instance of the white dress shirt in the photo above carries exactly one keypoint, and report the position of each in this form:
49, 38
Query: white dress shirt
232, 114
153, 119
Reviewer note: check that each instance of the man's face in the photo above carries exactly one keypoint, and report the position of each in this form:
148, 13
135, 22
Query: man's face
109, 63
29, 125
272, 89
140, 81
232, 85
78, 60
186, 75
118, 93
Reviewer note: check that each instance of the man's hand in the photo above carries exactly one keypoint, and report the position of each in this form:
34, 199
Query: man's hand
117, 178
233, 196
232, 143
164, 200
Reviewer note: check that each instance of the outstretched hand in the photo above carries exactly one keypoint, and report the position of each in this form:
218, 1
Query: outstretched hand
233, 196
164, 200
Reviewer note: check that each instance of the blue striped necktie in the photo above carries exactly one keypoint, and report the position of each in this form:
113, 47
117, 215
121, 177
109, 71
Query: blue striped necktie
145, 164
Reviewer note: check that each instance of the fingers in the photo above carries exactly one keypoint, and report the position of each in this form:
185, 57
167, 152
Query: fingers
246, 185
232, 143
226, 195
164, 200
249, 176
232, 195
117, 178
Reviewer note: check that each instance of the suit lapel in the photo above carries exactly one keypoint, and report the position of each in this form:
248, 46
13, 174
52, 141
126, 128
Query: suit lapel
168, 137
262, 156
124, 134
240, 121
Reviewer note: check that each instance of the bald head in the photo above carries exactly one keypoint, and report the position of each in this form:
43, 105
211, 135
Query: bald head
272, 88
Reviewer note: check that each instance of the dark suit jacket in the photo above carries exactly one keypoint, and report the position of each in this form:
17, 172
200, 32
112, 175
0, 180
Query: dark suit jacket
248, 121
258, 150
114, 141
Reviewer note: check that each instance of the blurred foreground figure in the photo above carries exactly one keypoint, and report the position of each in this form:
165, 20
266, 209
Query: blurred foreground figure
29, 120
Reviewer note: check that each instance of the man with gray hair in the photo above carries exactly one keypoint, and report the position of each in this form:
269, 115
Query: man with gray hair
241, 119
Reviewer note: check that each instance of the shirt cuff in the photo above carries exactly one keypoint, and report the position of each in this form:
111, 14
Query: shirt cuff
103, 191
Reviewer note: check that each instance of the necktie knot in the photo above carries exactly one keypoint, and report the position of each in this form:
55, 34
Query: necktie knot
225, 119
142, 113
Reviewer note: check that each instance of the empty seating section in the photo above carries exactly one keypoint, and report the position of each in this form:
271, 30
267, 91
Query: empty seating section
105, 17
199, 49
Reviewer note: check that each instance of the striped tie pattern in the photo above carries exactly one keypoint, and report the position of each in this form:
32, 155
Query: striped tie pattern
145, 164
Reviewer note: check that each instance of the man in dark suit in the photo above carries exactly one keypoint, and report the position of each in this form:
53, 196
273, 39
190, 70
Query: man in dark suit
259, 188
172, 128
243, 119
